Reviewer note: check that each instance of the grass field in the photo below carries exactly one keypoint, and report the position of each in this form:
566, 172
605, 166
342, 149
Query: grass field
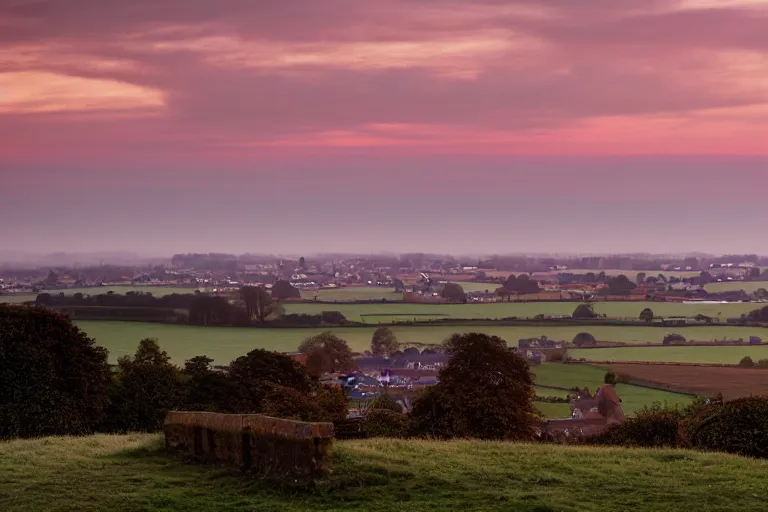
580, 375
616, 309
224, 344
730, 286
553, 411
131, 473
674, 354
351, 293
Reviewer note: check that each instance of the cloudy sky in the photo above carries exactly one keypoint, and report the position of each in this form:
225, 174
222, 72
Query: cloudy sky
444, 125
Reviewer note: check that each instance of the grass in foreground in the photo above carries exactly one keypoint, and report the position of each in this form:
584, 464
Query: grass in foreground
131, 473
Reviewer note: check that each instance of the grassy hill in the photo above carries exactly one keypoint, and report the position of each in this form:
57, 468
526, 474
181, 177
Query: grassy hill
131, 473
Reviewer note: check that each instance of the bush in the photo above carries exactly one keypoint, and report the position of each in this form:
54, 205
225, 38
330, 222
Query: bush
386, 423
386, 402
610, 378
53, 378
746, 362
673, 339
739, 426
584, 311
584, 339
762, 364
655, 427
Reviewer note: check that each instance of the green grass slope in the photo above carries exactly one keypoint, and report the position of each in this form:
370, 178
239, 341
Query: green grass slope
131, 473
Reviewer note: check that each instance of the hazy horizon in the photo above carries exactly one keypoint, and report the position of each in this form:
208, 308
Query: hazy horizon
453, 126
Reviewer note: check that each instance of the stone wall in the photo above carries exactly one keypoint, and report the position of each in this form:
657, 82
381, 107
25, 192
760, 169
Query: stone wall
251, 442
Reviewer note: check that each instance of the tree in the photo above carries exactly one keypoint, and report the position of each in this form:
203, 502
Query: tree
207, 310
302, 263
326, 353
258, 304
284, 290
673, 339
640, 278
746, 362
254, 372
454, 292
620, 285
584, 311
145, 387
522, 284
207, 389
384, 342
647, 315
610, 378
584, 339
486, 391
53, 378
753, 274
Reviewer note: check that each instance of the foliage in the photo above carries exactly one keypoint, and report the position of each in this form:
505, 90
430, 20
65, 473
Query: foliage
284, 290
386, 423
746, 362
386, 402
762, 364
584, 311
326, 353
654, 427
758, 315
332, 317
673, 339
453, 292
144, 388
498, 404
207, 389
620, 285
322, 404
610, 378
384, 342
53, 378
584, 339
739, 426
646, 315
258, 304
207, 310
521, 284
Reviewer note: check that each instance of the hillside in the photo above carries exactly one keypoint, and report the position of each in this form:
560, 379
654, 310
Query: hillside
131, 473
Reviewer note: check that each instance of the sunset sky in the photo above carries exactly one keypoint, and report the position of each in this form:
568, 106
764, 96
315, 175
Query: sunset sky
475, 126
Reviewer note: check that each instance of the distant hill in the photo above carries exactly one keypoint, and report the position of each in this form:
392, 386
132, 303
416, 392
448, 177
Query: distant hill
131, 472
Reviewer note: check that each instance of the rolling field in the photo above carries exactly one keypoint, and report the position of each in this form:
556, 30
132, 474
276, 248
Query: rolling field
224, 344
132, 473
674, 354
615, 309
702, 380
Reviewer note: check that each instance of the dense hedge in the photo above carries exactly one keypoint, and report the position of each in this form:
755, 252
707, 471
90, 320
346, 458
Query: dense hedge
386, 423
739, 426
653, 429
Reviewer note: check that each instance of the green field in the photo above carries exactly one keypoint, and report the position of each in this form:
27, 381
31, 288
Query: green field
580, 375
731, 286
224, 344
553, 411
616, 309
352, 293
157, 291
131, 473
674, 354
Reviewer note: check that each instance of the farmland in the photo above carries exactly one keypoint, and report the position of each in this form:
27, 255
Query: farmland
731, 286
123, 473
731, 382
674, 354
373, 313
226, 343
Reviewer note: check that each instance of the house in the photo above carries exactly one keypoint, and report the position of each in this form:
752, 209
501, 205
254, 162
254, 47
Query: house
590, 415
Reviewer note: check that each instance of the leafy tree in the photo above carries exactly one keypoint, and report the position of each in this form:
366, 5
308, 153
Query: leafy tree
758, 315
53, 378
385, 401
584, 339
454, 292
145, 387
258, 304
640, 278
584, 311
207, 310
620, 285
321, 404
610, 378
207, 389
384, 342
486, 391
326, 353
647, 315
746, 362
522, 284
284, 290
254, 372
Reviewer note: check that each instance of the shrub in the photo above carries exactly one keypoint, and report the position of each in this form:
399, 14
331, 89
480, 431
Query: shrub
584, 339
762, 364
746, 362
53, 378
386, 423
671, 339
655, 427
646, 315
610, 378
584, 311
739, 426
386, 402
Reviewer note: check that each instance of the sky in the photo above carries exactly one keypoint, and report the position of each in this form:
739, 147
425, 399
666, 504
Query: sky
463, 126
